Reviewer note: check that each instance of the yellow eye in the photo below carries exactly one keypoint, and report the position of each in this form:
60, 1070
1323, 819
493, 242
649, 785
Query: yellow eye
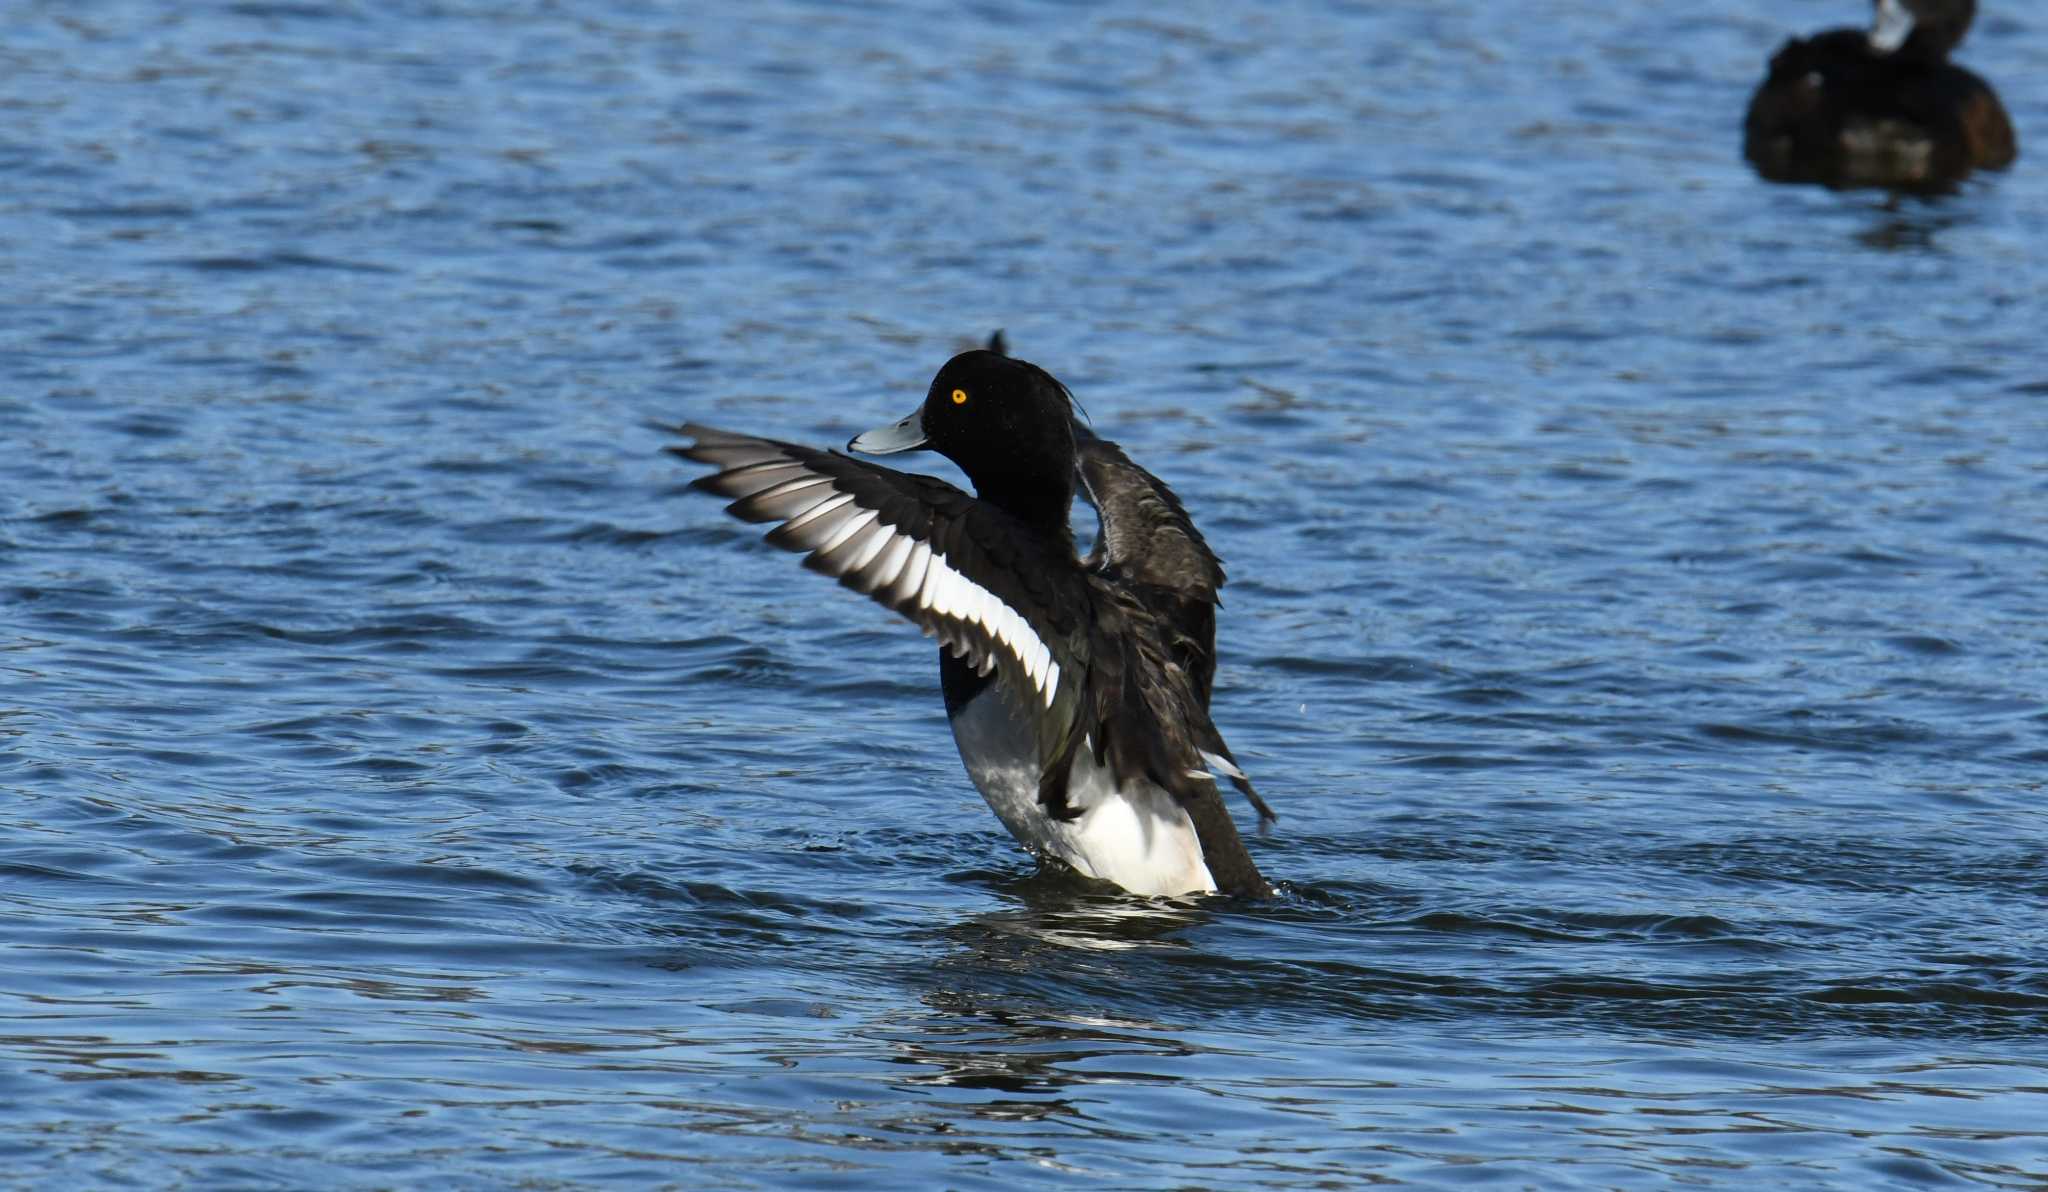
959, 397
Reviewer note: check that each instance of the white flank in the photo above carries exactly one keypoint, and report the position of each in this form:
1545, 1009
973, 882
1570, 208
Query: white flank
1135, 836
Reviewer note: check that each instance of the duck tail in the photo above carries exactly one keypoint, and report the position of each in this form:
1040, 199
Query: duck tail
1220, 761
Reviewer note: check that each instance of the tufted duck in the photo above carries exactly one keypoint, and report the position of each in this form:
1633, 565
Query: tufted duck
1078, 690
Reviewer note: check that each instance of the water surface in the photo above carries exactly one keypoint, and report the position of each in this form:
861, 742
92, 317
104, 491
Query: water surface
1637, 605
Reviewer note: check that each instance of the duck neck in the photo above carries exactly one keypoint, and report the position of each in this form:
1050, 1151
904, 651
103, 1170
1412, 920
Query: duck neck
1024, 493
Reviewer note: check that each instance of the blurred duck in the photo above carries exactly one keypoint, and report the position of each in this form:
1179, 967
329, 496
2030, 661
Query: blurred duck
1882, 107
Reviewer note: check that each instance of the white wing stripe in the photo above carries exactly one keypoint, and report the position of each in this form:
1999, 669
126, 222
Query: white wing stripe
891, 564
912, 579
815, 517
928, 591
786, 499
951, 594
753, 477
815, 512
801, 480
854, 525
872, 547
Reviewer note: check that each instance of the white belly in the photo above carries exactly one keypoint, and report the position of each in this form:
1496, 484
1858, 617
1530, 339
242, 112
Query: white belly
1135, 836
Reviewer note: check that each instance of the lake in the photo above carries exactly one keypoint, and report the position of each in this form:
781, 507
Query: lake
1638, 610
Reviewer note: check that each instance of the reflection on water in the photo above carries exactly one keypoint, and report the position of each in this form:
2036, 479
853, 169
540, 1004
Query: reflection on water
1901, 227
1061, 910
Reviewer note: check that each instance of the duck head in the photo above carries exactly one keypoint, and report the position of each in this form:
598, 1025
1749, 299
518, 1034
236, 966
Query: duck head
1921, 28
1008, 424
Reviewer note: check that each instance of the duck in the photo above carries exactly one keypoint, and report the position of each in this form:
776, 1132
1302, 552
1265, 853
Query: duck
1077, 688
1880, 108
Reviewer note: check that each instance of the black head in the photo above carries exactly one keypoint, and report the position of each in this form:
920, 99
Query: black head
1921, 28
1008, 424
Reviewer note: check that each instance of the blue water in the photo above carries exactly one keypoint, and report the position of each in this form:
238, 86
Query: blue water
1639, 611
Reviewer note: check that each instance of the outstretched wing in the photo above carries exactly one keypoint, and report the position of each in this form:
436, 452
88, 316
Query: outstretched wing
1146, 533
1148, 542
950, 563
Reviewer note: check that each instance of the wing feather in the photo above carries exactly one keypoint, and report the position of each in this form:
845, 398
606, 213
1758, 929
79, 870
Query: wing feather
1149, 548
917, 545
1149, 544
1138, 626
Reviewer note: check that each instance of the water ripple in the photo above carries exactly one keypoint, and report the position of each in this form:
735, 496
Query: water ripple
1634, 611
